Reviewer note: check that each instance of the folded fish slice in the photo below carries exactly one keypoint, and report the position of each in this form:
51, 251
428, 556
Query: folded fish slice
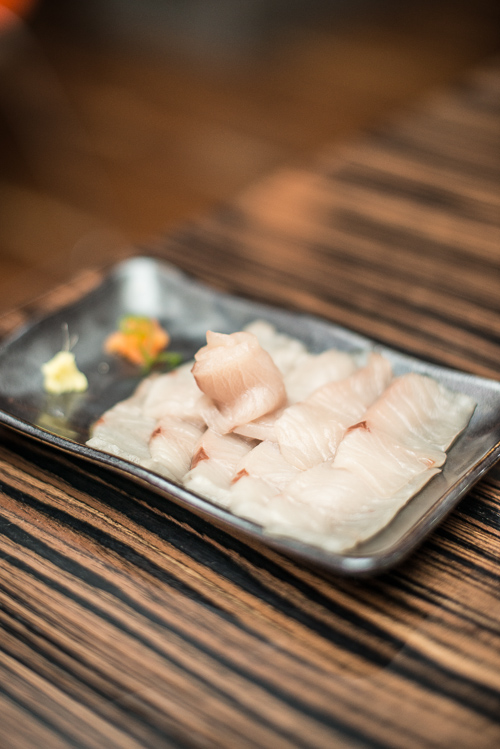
214, 463
176, 394
124, 431
314, 370
382, 461
333, 508
309, 432
284, 350
240, 378
416, 408
171, 446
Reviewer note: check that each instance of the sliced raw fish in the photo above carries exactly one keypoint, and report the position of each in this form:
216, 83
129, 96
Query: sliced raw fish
351, 396
266, 462
260, 475
314, 370
240, 377
382, 461
213, 465
284, 350
332, 507
171, 446
124, 431
249, 498
309, 432
307, 435
261, 429
318, 449
416, 407
176, 394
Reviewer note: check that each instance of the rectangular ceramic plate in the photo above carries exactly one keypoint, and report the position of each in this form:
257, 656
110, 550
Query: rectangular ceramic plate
145, 286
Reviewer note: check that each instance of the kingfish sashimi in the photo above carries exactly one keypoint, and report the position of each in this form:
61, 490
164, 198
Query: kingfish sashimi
124, 431
354, 394
309, 446
266, 462
382, 461
309, 432
176, 394
314, 370
240, 378
261, 429
416, 407
333, 508
171, 446
260, 475
214, 463
284, 350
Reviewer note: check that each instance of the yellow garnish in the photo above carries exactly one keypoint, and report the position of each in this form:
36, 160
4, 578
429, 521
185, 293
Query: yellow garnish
61, 375
139, 339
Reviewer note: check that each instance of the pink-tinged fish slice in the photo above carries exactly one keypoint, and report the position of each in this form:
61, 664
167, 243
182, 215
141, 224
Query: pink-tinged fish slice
307, 435
310, 432
416, 407
350, 397
240, 378
171, 446
261, 429
214, 463
176, 394
382, 461
284, 350
315, 370
249, 498
313, 504
332, 508
124, 431
266, 462
260, 475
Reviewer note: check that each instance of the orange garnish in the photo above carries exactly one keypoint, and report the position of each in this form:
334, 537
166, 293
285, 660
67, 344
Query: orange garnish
139, 339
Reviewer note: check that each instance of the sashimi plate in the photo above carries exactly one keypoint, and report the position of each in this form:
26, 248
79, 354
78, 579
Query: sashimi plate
187, 308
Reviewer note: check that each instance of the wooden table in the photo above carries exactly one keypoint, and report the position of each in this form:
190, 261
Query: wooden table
129, 622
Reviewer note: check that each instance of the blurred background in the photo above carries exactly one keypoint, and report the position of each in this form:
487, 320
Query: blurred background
120, 119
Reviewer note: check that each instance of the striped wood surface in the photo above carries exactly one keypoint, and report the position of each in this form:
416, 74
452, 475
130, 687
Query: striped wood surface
126, 621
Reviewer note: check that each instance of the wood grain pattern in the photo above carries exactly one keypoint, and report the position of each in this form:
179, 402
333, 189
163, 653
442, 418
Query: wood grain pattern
127, 621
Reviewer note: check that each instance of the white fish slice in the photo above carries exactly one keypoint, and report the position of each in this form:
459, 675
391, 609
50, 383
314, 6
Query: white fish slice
266, 462
351, 396
249, 498
171, 446
284, 350
314, 370
333, 508
261, 429
382, 461
124, 431
175, 394
214, 463
310, 432
240, 378
416, 407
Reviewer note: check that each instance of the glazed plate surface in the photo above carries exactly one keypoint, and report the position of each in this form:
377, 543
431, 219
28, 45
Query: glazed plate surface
145, 286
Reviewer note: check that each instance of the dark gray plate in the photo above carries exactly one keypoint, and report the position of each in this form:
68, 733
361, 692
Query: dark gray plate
187, 308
